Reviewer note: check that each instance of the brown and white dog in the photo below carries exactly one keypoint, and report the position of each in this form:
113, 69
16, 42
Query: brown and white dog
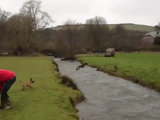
28, 84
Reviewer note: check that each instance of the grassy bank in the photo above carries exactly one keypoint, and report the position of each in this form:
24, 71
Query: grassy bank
143, 68
48, 100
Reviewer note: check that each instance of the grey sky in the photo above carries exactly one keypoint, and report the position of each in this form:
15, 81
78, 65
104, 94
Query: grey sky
114, 11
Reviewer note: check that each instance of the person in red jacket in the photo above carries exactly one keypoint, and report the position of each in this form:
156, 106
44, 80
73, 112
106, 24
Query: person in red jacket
7, 78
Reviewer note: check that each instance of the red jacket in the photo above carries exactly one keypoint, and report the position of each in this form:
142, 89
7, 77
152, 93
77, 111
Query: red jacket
5, 75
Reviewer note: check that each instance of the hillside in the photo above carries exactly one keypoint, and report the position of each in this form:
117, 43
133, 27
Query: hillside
135, 27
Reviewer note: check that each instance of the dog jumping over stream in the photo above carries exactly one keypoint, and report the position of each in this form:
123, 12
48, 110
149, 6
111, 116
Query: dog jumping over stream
81, 66
28, 84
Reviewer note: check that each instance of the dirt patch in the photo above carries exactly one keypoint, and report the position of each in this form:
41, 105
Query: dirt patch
56, 68
69, 83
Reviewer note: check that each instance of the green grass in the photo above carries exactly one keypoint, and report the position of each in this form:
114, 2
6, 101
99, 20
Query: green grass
135, 27
142, 66
48, 100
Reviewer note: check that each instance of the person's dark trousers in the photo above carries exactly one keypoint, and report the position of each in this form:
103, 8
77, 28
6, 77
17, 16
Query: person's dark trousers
7, 85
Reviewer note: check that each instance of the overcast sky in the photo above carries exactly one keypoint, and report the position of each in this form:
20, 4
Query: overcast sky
114, 11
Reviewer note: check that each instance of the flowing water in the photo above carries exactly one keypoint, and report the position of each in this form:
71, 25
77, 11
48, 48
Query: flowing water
109, 97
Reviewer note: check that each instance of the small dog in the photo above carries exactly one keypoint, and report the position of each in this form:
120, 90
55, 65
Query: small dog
28, 84
81, 66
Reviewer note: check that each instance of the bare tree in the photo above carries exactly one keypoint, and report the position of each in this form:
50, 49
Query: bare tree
32, 19
71, 34
38, 18
20, 31
62, 45
3, 28
26, 27
4, 16
96, 28
119, 30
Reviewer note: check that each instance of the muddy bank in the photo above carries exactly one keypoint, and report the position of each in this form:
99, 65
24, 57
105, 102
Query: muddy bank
109, 97
69, 83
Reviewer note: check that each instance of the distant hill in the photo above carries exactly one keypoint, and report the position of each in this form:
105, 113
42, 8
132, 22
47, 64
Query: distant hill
128, 26
135, 27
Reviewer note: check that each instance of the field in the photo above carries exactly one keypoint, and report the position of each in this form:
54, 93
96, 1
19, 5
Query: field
134, 27
143, 68
47, 100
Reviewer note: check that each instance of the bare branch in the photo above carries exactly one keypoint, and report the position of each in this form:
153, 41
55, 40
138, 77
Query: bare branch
39, 19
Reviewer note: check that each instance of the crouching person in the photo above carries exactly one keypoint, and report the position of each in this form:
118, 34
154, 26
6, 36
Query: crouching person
7, 78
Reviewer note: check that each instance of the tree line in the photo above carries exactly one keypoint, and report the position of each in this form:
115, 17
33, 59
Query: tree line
27, 32
95, 35
23, 31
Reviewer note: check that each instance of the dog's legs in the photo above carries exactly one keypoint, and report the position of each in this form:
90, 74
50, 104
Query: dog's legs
23, 89
29, 86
